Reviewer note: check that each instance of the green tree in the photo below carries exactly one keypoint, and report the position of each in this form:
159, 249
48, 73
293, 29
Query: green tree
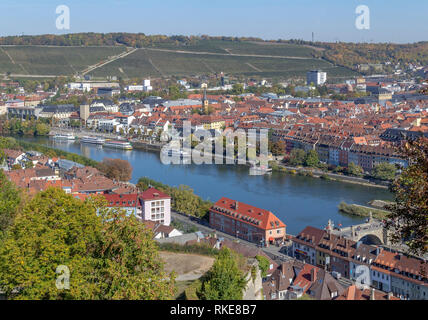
109, 255
129, 266
355, 170
238, 88
408, 220
224, 281
28, 164
10, 200
312, 159
263, 264
297, 157
384, 171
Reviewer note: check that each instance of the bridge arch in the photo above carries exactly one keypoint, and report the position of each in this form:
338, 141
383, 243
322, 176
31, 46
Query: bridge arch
371, 239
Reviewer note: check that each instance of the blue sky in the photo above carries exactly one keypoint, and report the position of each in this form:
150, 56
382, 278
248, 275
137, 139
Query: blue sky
331, 20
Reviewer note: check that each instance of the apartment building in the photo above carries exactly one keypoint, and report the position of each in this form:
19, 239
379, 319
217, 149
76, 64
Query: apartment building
156, 206
247, 222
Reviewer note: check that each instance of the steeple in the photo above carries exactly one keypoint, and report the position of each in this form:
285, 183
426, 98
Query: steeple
204, 99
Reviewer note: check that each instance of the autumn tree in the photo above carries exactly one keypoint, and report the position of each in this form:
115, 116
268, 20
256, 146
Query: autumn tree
109, 255
116, 169
408, 220
278, 148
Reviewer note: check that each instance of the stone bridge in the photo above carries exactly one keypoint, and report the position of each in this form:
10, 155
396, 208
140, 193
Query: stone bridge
371, 232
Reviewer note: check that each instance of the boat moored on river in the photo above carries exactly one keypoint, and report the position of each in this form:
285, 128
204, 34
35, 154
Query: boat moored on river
93, 140
64, 136
118, 144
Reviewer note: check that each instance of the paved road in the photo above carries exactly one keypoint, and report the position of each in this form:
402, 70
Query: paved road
230, 54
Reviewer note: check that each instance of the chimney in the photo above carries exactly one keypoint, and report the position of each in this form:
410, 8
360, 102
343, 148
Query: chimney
236, 205
283, 268
372, 294
390, 295
313, 275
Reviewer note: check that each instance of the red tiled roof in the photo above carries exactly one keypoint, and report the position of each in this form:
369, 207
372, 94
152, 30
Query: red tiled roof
248, 213
121, 200
154, 194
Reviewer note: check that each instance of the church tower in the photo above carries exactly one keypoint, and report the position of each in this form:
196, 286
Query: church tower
204, 99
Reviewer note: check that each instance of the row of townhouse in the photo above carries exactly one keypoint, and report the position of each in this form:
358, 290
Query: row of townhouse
342, 152
388, 271
109, 122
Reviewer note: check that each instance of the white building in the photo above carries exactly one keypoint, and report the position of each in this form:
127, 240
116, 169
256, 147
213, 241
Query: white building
317, 77
135, 88
146, 85
156, 206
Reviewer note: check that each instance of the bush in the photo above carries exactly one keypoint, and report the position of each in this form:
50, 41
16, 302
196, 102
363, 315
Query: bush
361, 211
201, 248
325, 177
191, 292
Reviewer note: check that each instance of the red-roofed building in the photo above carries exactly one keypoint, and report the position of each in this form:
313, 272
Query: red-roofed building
156, 206
127, 202
247, 222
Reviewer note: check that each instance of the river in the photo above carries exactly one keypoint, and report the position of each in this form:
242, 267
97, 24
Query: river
298, 201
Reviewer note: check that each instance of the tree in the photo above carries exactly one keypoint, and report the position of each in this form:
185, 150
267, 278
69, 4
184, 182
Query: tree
263, 264
384, 171
129, 266
355, 170
10, 200
16, 167
312, 159
109, 255
408, 220
278, 148
224, 281
116, 169
238, 88
28, 164
297, 157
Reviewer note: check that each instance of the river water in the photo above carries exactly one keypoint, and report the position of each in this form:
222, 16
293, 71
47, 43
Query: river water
297, 201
